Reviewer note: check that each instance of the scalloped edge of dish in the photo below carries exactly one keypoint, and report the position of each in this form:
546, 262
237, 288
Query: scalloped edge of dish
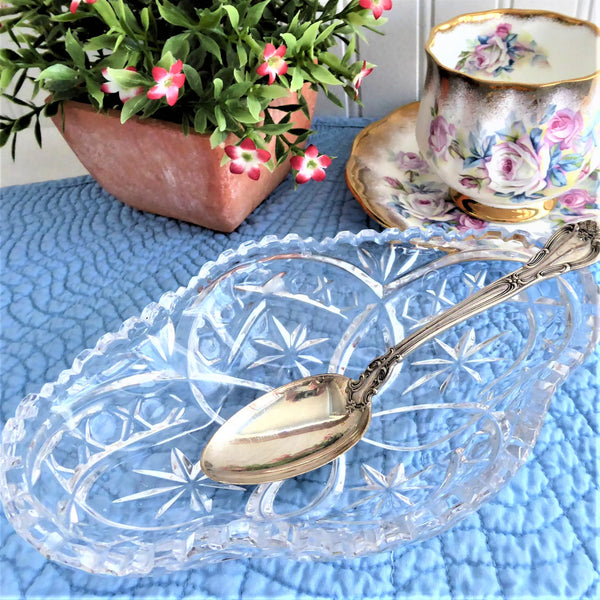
385, 535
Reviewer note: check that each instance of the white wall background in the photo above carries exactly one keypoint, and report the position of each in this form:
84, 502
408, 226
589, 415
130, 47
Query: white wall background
397, 80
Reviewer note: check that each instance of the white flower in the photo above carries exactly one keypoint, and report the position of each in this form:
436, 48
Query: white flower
516, 168
427, 206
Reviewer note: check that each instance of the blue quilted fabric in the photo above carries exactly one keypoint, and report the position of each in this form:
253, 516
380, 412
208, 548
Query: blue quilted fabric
76, 263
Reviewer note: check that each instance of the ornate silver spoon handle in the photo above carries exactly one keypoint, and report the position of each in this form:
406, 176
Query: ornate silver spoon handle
573, 246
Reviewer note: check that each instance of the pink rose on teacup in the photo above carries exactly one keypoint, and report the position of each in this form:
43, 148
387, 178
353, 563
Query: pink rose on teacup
563, 127
411, 161
432, 207
516, 168
465, 222
576, 199
503, 30
439, 132
491, 55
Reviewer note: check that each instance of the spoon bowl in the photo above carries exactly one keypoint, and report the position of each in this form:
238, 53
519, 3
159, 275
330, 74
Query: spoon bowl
294, 428
309, 422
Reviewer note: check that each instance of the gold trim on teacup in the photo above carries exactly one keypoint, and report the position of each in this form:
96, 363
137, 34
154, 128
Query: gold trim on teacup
521, 214
488, 15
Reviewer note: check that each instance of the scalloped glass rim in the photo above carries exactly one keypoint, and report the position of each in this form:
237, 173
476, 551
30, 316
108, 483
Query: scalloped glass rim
294, 536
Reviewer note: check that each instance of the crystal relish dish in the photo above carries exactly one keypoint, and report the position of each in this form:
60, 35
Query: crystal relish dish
100, 470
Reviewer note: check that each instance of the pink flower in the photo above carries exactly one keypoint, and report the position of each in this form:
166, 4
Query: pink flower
516, 168
429, 206
274, 64
563, 127
585, 171
411, 161
112, 87
310, 166
439, 131
76, 3
466, 222
167, 83
576, 199
490, 56
469, 182
377, 6
503, 30
358, 79
246, 158
395, 183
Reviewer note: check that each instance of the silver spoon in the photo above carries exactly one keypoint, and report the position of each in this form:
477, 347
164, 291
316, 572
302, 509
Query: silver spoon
308, 423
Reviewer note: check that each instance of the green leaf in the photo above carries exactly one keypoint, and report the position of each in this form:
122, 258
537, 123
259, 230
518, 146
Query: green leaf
4, 135
133, 106
217, 137
241, 114
254, 13
237, 90
325, 34
22, 123
276, 128
93, 89
178, 46
74, 49
128, 79
218, 87
220, 118
37, 131
145, 18
6, 76
297, 79
200, 121
280, 150
106, 12
234, 15
67, 17
290, 41
242, 55
166, 61
174, 15
308, 37
322, 75
100, 42
128, 18
58, 72
193, 79
271, 92
211, 46
254, 106
51, 109
350, 50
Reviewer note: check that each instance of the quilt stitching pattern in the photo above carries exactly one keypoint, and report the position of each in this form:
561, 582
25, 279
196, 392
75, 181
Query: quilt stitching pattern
76, 263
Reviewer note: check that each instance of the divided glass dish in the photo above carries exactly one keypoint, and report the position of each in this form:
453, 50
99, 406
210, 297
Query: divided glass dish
100, 470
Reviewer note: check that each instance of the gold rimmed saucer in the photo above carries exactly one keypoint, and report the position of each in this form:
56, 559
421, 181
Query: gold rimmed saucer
393, 182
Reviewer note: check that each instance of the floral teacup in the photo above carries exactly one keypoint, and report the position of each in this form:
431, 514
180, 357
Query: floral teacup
510, 114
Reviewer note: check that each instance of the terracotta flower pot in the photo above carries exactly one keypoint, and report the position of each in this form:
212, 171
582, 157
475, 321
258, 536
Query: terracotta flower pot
150, 165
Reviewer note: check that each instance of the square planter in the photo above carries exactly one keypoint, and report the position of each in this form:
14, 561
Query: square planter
152, 166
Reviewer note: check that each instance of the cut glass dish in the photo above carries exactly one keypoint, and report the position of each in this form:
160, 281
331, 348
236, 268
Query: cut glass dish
100, 470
